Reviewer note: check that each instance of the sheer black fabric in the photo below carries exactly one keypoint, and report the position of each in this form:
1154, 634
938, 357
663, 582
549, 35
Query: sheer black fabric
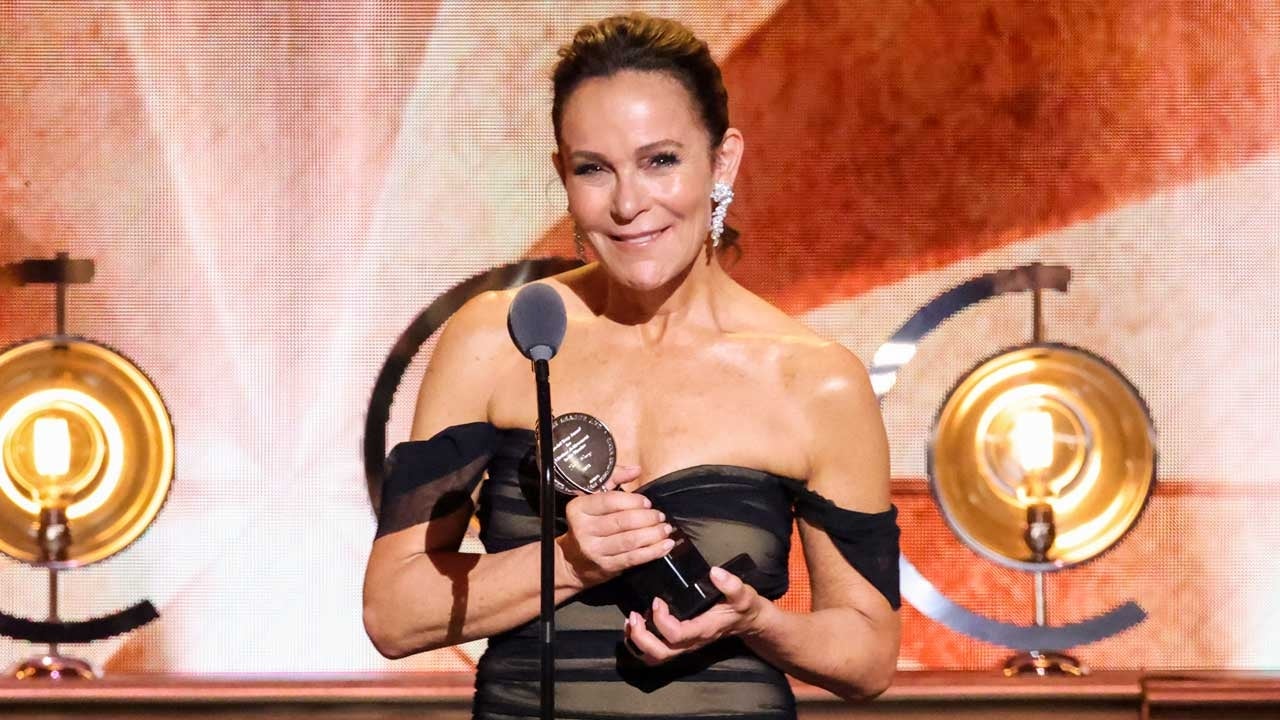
432, 478
868, 541
725, 510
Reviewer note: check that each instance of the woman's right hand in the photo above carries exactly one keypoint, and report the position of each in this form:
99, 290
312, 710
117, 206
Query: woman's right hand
611, 531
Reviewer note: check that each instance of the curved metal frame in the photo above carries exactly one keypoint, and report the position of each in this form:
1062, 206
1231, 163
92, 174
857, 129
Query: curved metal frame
54, 631
917, 589
168, 416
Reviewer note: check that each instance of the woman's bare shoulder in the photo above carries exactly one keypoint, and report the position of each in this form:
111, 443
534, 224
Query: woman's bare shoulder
481, 322
813, 368
789, 339
474, 348
827, 388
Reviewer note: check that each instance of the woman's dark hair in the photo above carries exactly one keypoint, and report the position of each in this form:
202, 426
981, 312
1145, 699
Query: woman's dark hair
642, 43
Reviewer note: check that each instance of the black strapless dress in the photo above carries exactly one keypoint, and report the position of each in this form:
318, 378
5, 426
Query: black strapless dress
725, 510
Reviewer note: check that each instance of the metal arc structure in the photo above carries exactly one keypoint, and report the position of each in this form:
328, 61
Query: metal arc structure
896, 352
115, 489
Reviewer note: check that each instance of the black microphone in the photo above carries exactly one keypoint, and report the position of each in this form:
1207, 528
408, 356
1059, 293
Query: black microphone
536, 321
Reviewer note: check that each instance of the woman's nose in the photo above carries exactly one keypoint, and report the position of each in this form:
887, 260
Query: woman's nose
629, 198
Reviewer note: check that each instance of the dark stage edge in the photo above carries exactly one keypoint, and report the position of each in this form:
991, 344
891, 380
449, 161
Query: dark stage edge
951, 695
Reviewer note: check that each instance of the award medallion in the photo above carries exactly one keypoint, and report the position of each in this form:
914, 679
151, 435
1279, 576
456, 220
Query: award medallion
584, 453
584, 456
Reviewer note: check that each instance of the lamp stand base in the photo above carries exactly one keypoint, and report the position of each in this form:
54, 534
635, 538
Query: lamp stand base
1044, 663
51, 666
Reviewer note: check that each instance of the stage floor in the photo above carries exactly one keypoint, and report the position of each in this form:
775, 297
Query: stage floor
954, 695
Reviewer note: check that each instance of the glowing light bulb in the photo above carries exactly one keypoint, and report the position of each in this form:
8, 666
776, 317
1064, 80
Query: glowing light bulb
51, 438
1032, 440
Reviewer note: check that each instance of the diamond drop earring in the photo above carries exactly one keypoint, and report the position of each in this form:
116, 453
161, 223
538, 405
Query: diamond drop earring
579, 245
721, 195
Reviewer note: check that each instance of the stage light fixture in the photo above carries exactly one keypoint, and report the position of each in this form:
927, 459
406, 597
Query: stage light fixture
87, 453
1042, 457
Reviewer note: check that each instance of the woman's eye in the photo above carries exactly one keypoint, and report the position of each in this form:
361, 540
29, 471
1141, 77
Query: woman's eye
664, 160
586, 169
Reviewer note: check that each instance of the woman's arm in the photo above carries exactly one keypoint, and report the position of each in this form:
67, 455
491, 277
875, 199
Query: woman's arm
424, 595
417, 597
848, 644
420, 593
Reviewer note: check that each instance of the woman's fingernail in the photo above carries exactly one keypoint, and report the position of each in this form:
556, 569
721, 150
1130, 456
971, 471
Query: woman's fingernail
668, 544
718, 573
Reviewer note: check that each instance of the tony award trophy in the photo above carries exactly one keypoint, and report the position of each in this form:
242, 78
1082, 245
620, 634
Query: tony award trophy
585, 456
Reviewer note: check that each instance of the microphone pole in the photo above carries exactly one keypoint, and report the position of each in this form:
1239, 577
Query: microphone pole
547, 507
536, 322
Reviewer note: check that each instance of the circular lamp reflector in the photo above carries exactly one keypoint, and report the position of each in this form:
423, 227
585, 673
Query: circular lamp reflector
84, 430
1042, 423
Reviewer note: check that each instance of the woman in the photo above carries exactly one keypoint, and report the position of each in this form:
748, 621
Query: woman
719, 403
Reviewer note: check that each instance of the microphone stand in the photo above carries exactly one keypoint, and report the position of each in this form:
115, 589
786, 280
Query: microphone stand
547, 507
536, 322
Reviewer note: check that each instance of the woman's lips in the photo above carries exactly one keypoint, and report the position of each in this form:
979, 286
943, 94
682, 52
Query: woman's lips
638, 239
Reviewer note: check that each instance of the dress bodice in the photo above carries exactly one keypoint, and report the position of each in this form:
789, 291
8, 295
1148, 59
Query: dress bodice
725, 510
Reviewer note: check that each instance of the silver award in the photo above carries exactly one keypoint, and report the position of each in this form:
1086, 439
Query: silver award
584, 452
584, 455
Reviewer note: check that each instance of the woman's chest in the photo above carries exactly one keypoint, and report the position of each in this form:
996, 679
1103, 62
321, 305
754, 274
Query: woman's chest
668, 412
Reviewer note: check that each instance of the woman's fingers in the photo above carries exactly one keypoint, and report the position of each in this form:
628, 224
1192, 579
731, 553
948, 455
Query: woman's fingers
675, 636
628, 520
612, 531
642, 555
737, 594
729, 617
603, 503
667, 624
623, 531
622, 475
651, 649
626, 542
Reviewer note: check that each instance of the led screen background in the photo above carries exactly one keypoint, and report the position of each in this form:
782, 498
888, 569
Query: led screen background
272, 191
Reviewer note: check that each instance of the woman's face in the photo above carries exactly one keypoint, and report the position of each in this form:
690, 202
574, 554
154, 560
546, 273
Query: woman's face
637, 165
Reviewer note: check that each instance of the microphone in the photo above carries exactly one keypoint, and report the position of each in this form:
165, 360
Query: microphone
536, 321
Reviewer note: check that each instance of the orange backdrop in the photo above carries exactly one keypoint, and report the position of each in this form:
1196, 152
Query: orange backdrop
272, 191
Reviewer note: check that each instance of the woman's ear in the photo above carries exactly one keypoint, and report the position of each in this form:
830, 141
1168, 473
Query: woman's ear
559, 164
728, 156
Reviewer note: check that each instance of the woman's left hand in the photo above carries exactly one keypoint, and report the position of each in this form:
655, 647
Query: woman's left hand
738, 614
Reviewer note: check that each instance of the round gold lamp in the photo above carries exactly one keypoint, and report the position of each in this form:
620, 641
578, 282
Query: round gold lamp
1042, 457
86, 460
1049, 430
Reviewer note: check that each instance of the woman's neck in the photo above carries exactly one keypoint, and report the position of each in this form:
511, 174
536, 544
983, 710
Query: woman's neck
687, 298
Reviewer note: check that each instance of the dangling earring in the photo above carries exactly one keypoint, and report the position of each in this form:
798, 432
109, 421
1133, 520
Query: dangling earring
721, 195
579, 245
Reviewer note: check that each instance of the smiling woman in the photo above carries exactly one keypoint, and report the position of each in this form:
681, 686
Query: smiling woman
645, 208
668, 351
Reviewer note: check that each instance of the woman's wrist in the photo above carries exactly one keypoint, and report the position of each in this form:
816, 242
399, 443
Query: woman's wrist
565, 578
762, 620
